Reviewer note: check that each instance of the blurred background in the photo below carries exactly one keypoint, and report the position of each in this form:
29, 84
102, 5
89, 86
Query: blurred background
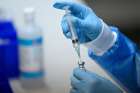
59, 57
120, 13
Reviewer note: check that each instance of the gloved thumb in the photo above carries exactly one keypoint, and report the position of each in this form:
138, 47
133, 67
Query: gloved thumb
84, 75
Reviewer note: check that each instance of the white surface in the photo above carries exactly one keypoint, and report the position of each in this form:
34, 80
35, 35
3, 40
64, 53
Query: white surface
59, 56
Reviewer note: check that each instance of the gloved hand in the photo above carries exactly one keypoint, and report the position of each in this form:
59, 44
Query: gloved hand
87, 82
87, 25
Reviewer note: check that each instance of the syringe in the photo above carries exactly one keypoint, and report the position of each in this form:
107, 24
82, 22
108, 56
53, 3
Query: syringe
74, 38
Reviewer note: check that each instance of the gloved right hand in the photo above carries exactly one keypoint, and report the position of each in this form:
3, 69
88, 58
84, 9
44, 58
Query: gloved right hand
87, 25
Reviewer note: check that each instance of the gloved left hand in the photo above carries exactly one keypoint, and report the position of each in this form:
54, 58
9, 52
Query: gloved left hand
88, 82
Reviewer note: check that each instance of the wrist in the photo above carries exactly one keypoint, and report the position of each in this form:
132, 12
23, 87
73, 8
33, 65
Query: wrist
104, 41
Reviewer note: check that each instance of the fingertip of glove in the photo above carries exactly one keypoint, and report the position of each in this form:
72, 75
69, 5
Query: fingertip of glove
65, 29
60, 4
77, 71
82, 74
56, 5
68, 35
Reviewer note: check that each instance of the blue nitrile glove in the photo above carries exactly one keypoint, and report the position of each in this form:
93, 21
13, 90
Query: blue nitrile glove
87, 25
88, 82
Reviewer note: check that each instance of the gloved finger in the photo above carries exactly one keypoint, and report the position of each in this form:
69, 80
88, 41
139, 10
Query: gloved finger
65, 28
76, 23
82, 74
75, 83
74, 7
74, 91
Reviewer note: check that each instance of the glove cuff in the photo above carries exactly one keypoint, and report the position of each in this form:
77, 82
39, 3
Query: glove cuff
103, 42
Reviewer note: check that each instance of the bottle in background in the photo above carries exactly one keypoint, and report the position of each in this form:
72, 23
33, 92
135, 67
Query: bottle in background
30, 49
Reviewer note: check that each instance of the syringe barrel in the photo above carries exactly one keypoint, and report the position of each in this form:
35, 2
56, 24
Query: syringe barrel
71, 27
74, 37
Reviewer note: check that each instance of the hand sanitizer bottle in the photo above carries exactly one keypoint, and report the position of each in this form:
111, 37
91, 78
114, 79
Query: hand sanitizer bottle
30, 50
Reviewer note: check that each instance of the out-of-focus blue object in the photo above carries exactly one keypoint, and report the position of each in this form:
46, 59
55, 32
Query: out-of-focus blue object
9, 47
88, 82
87, 25
121, 62
4, 85
5, 88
